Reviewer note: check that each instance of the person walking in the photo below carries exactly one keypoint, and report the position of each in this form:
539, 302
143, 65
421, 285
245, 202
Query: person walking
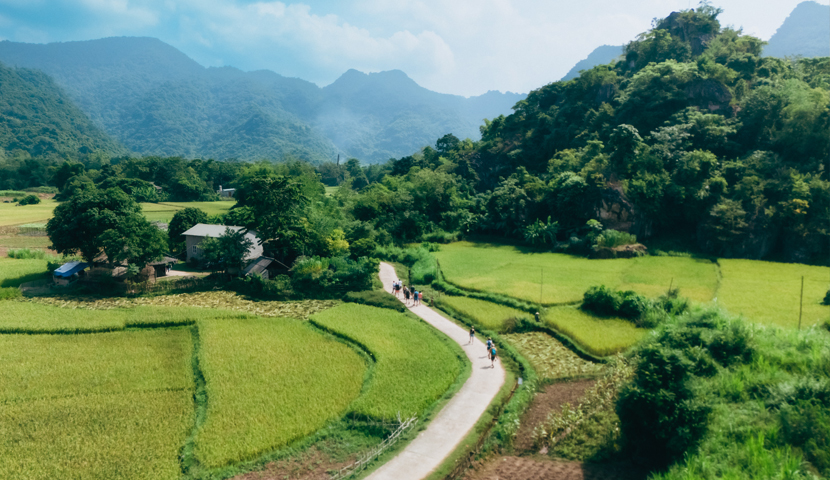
472, 334
493, 354
415, 298
489, 345
406, 295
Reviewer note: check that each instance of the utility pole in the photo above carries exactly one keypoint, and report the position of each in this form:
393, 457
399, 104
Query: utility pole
801, 305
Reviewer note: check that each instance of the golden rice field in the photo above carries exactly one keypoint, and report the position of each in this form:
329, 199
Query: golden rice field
562, 279
413, 366
270, 382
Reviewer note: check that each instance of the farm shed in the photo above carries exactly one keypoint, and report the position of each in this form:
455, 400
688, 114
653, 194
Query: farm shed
265, 267
69, 273
226, 192
161, 266
200, 231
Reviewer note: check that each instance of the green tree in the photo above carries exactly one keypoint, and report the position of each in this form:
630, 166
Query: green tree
183, 220
93, 221
228, 251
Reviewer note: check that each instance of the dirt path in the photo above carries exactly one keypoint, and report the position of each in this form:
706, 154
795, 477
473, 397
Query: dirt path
458, 416
543, 468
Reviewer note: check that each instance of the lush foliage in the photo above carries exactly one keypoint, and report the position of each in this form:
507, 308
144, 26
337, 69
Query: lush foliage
414, 367
182, 221
228, 251
746, 401
93, 221
642, 311
29, 200
270, 382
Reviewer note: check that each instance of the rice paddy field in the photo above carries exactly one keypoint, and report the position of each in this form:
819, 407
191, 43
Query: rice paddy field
270, 381
487, 314
163, 212
13, 214
413, 366
551, 359
599, 336
562, 279
100, 406
768, 292
14, 272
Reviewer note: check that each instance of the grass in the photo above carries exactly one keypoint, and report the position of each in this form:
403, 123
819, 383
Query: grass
24, 241
270, 382
163, 212
414, 367
12, 214
599, 336
768, 292
14, 273
26, 317
487, 314
331, 191
132, 436
519, 272
47, 366
551, 359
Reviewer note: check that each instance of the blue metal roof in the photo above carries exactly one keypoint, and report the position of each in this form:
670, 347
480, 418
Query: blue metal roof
69, 269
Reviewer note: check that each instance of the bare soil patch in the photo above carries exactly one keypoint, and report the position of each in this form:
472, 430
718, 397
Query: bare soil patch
549, 400
310, 465
543, 468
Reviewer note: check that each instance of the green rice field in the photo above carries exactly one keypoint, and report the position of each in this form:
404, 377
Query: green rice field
599, 336
15, 272
163, 212
562, 279
270, 381
13, 214
487, 314
100, 406
413, 366
768, 292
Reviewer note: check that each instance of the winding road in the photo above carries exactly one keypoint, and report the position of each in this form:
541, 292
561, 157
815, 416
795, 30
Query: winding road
459, 415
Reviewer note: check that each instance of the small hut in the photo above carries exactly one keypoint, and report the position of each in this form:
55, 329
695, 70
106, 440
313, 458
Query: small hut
69, 273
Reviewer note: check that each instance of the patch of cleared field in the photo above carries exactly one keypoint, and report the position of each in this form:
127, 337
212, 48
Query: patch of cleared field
549, 357
14, 214
599, 336
163, 212
270, 382
768, 292
414, 367
14, 273
331, 191
133, 436
45, 366
488, 314
561, 279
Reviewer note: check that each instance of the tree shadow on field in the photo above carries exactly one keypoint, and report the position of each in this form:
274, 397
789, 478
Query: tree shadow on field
16, 282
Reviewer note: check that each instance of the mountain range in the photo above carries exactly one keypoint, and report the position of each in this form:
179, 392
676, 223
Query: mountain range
155, 100
805, 32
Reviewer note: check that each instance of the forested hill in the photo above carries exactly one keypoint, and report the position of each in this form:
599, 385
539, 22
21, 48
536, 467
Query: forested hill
40, 120
600, 56
805, 32
156, 100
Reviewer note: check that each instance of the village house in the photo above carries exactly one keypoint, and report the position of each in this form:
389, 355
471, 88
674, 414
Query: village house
200, 231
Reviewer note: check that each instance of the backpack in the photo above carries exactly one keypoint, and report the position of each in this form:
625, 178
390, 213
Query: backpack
493, 351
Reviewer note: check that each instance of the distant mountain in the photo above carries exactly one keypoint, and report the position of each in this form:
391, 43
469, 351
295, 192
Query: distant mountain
37, 117
805, 32
156, 100
600, 56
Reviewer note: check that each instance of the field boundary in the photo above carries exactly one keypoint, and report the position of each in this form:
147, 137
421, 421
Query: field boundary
376, 451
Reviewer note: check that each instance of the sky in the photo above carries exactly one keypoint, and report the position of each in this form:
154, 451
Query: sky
463, 47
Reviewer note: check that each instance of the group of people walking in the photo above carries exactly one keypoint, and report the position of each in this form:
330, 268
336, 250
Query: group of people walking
409, 293
492, 352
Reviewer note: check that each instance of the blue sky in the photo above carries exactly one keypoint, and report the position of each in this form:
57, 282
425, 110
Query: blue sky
465, 47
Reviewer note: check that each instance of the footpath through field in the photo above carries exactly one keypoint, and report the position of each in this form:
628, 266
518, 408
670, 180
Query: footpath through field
458, 416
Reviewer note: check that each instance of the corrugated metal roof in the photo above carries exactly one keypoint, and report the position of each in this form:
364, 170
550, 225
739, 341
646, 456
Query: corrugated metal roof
69, 269
257, 266
215, 231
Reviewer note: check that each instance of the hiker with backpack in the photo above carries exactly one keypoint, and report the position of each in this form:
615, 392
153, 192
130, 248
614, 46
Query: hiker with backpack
493, 354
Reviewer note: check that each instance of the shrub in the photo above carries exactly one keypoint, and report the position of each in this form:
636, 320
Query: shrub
613, 238
255, 286
440, 236
826, 300
632, 306
375, 298
43, 189
322, 276
601, 301
8, 293
29, 200
29, 254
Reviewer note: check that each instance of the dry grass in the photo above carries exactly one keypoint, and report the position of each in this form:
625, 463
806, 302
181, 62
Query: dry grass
549, 357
